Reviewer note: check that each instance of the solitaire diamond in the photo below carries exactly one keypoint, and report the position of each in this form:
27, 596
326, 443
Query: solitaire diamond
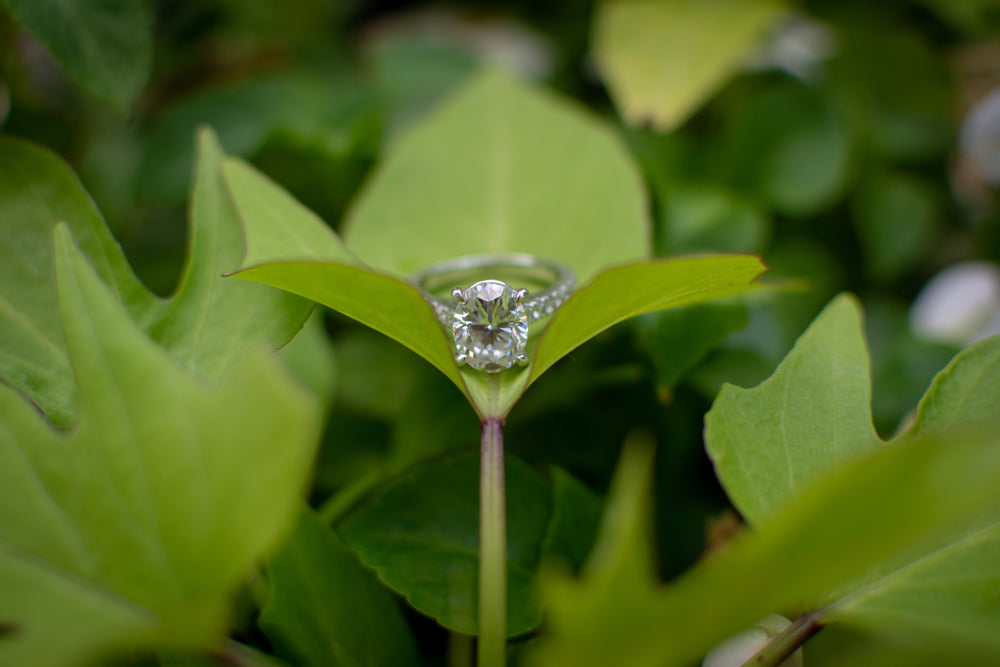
490, 325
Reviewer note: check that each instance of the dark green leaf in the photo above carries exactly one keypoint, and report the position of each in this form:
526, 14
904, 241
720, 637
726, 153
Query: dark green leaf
676, 339
105, 45
326, 610
421, 534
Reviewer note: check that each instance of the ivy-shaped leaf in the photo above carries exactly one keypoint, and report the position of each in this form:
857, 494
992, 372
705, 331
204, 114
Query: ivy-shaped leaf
135, 527
106, 46
814, 413
288, 247
866, 513
663, 58
207, 326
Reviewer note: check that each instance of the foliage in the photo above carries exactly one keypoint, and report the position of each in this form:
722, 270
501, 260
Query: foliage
201, 465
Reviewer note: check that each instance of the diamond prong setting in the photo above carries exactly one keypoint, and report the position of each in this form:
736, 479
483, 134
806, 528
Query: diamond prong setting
490, 326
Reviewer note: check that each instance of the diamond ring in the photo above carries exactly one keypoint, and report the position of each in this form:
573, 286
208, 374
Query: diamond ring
489, 320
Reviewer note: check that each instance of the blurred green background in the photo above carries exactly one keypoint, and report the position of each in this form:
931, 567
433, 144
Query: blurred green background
854, 145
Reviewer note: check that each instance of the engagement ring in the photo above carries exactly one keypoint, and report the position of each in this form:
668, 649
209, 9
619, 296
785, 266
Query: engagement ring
489, 320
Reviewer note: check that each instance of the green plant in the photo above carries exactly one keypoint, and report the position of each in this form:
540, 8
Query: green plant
176, 492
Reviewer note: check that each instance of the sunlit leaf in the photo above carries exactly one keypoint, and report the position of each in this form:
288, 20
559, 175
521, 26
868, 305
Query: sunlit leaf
37, 191
663, 58
137, 526
207, 326
503, 167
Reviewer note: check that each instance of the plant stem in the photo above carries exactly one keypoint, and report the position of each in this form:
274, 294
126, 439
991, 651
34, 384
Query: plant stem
492, 647
786, 643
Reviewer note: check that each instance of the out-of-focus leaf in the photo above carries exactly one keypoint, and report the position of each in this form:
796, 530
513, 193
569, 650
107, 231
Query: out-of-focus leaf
895, 217
708, 219
503, 167
311, 357
811, 416
211, 322
325, 609
576, 513
663, 58
106, 46
892, 84
808, 169
676, 339
421, 534
321, 113
208, 325
865, 513
37, 191
137, 526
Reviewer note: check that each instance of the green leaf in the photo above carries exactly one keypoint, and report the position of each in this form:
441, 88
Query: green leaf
963, 394
626, 291
136, 527
503, 167
106, 46
676, 339
207, 326
895, 216
37, 191
706, 218
325, 609
421, 534
290, 248
663, 58
850, 521
812, 415
945, 597
211, 323
576, 512
809, 166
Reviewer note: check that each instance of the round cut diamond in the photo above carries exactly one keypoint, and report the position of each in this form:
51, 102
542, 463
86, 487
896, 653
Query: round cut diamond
490, 326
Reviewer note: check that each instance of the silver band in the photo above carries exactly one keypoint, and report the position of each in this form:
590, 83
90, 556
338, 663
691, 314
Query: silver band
451, 273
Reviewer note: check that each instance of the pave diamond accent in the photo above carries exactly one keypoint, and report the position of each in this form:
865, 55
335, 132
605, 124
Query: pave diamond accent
490, 325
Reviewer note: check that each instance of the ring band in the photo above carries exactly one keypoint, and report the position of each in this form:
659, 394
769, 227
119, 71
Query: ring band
489, 320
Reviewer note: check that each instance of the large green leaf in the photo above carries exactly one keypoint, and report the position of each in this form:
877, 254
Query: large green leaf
948, 587
326, 610
37, 191
838, 530
812, 415
421, 534
105, 45
503, 167
137, 526
663, 58
290, 248
207, 326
